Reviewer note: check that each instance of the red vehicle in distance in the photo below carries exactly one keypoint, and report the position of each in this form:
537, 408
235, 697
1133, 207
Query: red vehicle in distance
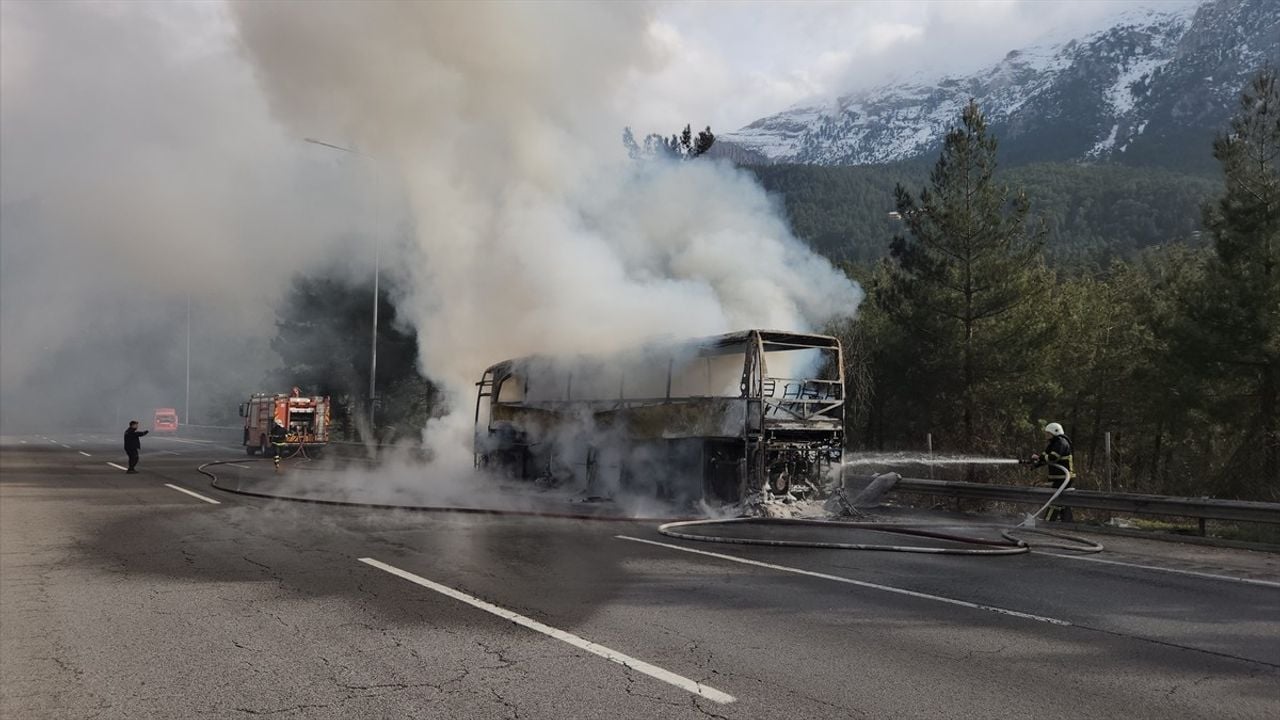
166, 420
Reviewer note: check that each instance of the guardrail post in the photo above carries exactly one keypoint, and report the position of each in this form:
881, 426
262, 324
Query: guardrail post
928, 439
1202, 528
1106, 440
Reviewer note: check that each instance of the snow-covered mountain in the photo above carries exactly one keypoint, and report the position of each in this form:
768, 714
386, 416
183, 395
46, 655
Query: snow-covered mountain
1150, 88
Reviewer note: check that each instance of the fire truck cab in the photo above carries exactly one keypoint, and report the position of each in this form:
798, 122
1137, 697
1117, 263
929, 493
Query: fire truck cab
165, 420
306, 420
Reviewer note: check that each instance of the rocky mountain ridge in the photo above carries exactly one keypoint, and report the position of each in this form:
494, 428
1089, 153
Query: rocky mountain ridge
1152, 88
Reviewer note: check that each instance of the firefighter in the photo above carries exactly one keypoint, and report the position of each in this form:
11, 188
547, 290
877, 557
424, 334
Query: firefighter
278, 435
132, 444
1057, 457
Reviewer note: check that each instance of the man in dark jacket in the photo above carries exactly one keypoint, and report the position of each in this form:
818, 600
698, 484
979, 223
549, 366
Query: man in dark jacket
1057, 457
132, 444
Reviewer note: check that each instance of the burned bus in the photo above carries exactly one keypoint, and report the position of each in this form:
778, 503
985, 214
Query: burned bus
721, 419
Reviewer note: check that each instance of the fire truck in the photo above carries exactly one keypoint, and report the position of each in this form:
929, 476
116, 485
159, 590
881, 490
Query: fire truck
305, 419
165, 421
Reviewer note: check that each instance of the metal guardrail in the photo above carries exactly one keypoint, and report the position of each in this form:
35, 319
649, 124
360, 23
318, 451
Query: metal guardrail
1130, 503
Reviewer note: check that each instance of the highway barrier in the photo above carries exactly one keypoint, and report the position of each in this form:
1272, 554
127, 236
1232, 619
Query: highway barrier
1128, 503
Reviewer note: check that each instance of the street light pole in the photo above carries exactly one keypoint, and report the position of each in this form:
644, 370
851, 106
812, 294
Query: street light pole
186, 407
377, 262
373, 344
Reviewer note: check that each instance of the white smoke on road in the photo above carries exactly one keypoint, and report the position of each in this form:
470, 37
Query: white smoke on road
532, 232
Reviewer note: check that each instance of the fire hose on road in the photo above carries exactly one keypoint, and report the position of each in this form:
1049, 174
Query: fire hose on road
1008, 544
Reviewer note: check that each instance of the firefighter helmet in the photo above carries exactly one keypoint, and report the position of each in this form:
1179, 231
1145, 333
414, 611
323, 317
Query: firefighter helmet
1053, 429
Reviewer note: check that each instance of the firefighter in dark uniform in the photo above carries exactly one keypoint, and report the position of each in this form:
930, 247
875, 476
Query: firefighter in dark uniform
278, 437
1057, 458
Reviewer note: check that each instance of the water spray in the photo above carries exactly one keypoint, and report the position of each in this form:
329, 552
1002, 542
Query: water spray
909, 458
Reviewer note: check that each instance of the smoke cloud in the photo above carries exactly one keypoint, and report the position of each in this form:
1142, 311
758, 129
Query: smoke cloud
141, 169
153, 155
532, 232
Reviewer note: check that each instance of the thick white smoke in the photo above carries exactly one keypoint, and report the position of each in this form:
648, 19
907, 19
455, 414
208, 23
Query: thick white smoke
532, 230
141, 170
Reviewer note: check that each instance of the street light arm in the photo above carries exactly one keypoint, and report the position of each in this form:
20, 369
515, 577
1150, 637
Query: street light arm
314, 141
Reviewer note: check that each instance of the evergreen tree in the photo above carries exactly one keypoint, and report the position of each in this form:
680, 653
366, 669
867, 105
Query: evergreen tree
323, 329
682, 146
968, 287
1232, 329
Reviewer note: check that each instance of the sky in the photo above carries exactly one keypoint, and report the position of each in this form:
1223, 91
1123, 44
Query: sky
152, 155
730, 63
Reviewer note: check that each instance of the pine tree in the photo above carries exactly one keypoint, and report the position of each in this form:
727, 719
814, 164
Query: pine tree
968, 287
1233, 318
682, 146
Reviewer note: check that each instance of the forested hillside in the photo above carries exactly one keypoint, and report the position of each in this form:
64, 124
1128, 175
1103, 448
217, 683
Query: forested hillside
1092, 213
972, 336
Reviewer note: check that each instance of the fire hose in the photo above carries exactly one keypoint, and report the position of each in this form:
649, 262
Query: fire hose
1009, 545
1012, 544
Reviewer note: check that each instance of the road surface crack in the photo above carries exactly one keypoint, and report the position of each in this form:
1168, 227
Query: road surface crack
291, 708
515, 711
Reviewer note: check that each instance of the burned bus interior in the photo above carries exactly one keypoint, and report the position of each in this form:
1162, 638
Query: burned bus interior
724, 419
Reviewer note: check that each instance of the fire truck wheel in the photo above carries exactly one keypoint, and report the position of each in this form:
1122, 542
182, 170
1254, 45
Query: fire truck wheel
251, 449
263, 446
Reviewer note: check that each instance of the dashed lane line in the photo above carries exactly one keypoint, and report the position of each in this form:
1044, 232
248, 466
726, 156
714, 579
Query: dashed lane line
193, 494
851, 581
1193, 573
85, 454
118, 467
626, 661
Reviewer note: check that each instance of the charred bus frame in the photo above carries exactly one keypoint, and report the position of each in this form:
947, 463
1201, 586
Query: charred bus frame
778, 431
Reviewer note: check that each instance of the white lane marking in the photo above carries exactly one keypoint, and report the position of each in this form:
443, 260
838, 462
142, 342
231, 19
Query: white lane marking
626, 661
85, 454
246, 467
850, 581
24, 442
1211, 576
166, 452
65, 445
118, 467
193, 494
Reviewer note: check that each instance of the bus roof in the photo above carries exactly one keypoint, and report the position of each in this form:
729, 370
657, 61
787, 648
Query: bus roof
726, 344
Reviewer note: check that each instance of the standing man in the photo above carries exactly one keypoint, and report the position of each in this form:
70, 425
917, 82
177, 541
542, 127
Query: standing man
132, 444
1057, 456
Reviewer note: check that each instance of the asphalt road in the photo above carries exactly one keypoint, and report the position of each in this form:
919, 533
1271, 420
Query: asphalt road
123, 597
